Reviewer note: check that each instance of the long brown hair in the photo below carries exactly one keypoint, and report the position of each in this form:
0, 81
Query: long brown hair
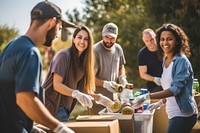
181, 38
86, 60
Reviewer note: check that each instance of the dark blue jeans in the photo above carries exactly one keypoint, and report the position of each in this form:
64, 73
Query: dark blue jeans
62, 114
181, 124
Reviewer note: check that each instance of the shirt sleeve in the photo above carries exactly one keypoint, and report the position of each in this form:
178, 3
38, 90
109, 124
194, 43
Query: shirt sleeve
28, 74
60, 63
182, 73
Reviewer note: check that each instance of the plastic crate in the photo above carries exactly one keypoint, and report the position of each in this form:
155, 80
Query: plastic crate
143, 122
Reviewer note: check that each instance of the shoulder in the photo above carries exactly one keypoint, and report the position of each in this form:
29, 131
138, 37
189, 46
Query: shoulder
63, 52
62, 55
143, 51
118, 47
24, 46
181, 60
98, 45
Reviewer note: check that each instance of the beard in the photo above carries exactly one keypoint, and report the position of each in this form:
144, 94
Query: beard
108, 45
50, 36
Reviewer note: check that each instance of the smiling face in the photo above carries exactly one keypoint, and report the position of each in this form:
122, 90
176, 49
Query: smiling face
81, 41
149, 41
108, 41
167, 42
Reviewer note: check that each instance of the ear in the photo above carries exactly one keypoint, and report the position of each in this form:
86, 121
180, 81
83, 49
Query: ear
73, 39
52, 22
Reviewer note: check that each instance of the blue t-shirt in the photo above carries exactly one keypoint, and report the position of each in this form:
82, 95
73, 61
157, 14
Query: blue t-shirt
154, 65
20, 70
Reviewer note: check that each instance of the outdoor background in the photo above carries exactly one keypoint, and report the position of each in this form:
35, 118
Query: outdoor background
131, 16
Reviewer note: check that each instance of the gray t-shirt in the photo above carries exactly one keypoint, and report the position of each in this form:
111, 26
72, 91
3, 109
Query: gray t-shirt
107, 64
61, 65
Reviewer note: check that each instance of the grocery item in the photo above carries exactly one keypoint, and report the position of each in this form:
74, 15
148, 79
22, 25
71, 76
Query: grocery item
118, 88
127, 93
196, 85
114, 107
127, 110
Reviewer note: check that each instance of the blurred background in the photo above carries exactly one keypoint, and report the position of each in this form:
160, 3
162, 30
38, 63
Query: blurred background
131, 16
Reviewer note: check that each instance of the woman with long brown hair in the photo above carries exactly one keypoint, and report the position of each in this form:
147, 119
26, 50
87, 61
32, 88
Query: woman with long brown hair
71, 77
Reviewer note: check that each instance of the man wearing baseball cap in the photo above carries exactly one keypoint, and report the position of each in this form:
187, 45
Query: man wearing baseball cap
109, 65
20, 73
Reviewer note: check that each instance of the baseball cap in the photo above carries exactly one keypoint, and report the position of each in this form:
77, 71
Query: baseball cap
110, 29
46, 10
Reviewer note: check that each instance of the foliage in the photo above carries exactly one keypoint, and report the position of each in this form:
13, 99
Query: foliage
185, 14
133, 16
6, 35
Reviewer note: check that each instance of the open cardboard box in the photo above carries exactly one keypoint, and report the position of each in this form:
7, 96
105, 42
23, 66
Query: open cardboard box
94, 126
126, 122
89, 127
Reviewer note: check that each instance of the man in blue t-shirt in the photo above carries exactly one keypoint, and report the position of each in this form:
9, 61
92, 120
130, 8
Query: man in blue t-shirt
20, 74
150, 67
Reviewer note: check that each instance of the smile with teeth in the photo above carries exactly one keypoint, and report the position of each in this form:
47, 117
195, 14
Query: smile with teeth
82, 46
166, 46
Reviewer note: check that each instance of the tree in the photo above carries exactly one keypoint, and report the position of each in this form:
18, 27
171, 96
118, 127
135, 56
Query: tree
133, 16
6, 35
184, 13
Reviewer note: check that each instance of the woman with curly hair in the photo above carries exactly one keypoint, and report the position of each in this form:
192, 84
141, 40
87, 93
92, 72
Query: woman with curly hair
176, 80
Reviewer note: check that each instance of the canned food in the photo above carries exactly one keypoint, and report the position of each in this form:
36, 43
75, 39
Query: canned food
118, 88
143, 91
129, 86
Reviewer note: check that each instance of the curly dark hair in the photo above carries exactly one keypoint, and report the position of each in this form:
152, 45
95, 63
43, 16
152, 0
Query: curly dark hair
181, 38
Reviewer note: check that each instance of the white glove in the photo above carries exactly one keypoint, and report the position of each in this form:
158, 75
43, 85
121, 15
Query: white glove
155, 105
157, 81
122, 80
105, 101
84, 99
61, 128
110, 86
140, 100
36, 129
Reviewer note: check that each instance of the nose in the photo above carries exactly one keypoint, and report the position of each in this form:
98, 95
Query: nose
82, 40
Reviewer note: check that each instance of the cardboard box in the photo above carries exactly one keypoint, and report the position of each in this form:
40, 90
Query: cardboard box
196, 128
141, 122
160, 120
126, 123
95, 126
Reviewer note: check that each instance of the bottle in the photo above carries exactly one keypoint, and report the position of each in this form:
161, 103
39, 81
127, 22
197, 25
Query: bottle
127, 93
195, 85
118, 88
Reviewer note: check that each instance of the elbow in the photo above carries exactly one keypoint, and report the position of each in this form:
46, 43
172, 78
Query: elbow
56, 87
141, 76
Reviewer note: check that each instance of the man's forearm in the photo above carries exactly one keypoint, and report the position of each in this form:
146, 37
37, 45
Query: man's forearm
35, 109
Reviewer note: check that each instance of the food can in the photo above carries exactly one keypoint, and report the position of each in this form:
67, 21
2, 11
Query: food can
118, 88
129, 86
